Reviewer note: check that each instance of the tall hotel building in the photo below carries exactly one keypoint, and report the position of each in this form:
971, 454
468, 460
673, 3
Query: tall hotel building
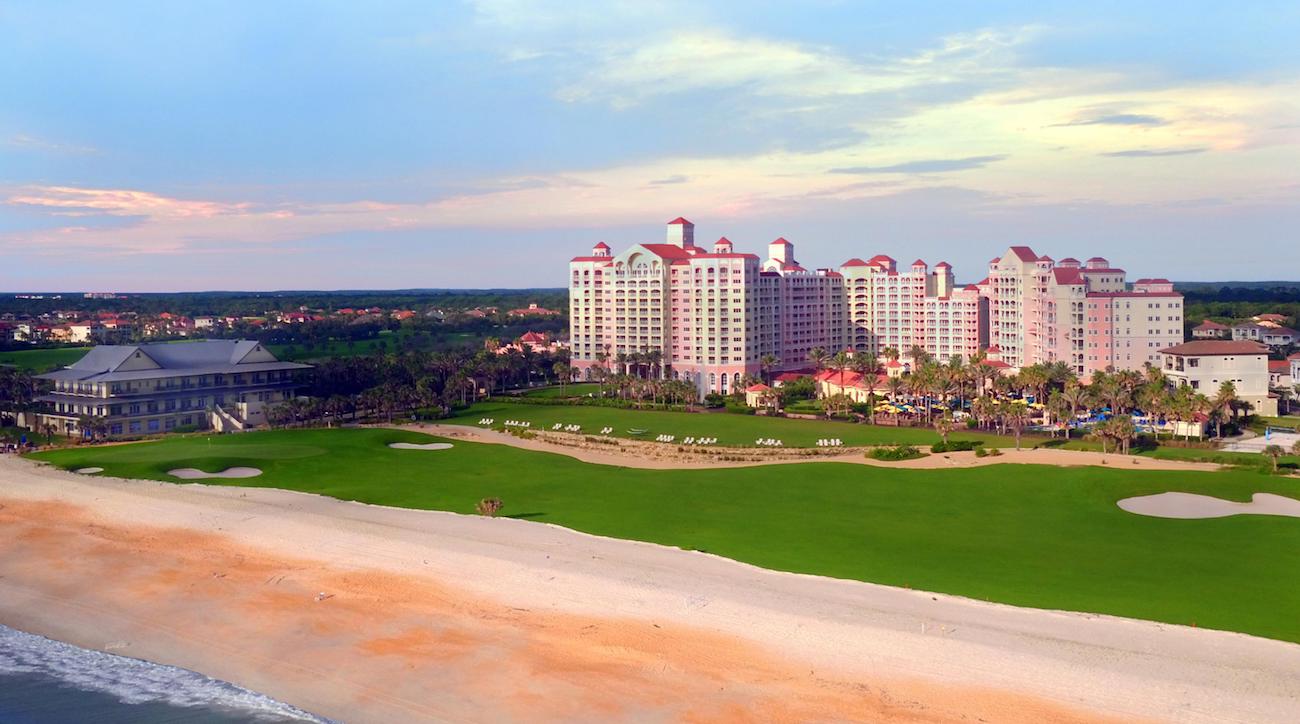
714, 314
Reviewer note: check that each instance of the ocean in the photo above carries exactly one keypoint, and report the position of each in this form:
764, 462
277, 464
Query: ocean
43, 681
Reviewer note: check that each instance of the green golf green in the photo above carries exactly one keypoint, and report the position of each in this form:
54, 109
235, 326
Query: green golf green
1028, 535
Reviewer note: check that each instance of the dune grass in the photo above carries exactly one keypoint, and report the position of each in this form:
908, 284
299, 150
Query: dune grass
1026, 535
730, 429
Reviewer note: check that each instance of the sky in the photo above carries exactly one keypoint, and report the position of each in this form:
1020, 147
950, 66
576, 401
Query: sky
164, 146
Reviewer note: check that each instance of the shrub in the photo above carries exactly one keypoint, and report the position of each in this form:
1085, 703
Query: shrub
714, 400
893, 454
994, 452
488, 506
185, 428
739, 408
957, 446
981, 452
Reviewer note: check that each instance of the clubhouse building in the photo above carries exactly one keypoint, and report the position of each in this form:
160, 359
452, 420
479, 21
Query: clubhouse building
221, 385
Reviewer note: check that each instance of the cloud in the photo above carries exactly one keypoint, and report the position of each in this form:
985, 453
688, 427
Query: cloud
1151, 153
936, 165
1117, 119
624, 75
28, 142
674, 179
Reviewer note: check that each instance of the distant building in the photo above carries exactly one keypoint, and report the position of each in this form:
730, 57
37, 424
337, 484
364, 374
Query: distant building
1269, 334
1210, 329
1204, 365
533, 310
149, 388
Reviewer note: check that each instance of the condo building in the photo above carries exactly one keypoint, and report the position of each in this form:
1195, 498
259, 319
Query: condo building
712, 315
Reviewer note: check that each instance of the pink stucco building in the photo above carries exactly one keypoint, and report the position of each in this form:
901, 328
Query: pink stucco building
713, 313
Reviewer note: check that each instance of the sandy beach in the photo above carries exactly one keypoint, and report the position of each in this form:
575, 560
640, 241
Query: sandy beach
372, 614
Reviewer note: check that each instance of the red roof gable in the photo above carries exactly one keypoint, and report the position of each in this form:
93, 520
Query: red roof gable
782, 241
1279, 366
1024, 253
667, 251
679, 220
918, 262
601, 245
943, 265
1211, 324
854, 262
760, 387
1067, 275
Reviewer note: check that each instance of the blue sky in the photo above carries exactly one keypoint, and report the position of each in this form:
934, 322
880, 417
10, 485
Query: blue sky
160, 146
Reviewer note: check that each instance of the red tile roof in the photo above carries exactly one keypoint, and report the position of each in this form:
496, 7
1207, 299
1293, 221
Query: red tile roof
943, 265
1279, 366
601, 245
1211, 324
679, 220
1024, 253
667, 251
782, 241
760, 387
1205, 347
1067, 275
855, 262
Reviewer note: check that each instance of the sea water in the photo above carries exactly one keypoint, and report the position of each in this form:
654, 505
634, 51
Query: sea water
43, 681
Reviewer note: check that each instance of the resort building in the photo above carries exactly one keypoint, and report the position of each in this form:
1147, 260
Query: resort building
1204, 365
223, 385
1080, 313
711, 315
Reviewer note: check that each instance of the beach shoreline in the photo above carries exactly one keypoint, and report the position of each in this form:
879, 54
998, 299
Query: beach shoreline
366, 613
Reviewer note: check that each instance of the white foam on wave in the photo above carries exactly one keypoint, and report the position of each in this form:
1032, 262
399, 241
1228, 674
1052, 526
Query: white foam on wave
133, 681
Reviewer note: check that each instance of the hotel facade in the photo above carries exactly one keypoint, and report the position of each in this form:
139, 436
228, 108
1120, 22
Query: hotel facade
714, 314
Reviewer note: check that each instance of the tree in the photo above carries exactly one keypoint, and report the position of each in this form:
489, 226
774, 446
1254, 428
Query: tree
562, 373
766, 364
1221, 405
1275, 452
841, 362
1015, 413
867, 365
944, 424
1120, 429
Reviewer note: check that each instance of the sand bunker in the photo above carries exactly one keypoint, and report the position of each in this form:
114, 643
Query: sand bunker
413, 446
88, 471
1191, 505
195, 473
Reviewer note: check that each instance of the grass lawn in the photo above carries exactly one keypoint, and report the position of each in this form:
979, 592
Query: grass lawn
1027, 535
730, 429
580, 389
43, 360
1223, 457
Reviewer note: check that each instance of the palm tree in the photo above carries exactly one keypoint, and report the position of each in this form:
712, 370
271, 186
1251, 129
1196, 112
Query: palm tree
1059, 408
562, 373
840, 362
1221, 404
766, 364
1120, 429
867, 365
1275, 452
944, 424
1016, 415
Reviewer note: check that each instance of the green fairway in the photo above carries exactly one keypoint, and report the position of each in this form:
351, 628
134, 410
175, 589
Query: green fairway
1026, 535
43, 360
730, 429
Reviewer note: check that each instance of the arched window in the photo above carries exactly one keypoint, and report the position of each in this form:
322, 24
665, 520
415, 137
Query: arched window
713, 382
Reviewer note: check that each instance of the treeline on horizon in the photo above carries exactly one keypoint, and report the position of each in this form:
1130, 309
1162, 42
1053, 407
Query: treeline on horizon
197, 304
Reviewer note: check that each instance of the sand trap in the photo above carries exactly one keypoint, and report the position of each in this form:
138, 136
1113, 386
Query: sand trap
195, 473
413, 446
88, 471
1191, 505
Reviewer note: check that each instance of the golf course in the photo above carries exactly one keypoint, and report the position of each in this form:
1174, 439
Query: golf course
1028, 535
